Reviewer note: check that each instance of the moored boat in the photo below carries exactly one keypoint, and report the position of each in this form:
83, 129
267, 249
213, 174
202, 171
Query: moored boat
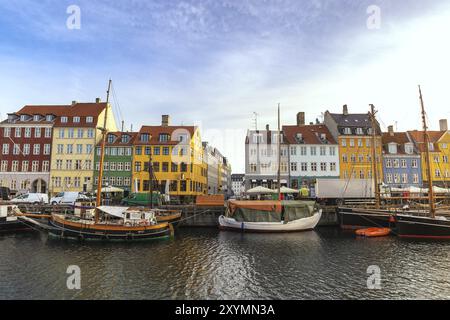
9, 221
270, 216
358, 218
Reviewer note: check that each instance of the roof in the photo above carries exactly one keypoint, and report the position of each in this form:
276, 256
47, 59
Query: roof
82, 110
353, 121
118, 140
155, 131
418, 138
400, 138
311, 134
267, 136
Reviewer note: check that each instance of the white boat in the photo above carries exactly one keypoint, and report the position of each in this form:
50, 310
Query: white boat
270, 216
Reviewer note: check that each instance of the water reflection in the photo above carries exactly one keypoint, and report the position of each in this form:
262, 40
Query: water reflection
208, 264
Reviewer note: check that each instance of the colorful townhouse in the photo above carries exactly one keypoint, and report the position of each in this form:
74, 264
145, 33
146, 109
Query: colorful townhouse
353, 132
261, 159
313, 153
402, 165
176, 156
75, 134
219, 170
26, 141
439, 154
118, 160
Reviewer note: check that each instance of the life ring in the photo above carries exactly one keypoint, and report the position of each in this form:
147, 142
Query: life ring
373, 232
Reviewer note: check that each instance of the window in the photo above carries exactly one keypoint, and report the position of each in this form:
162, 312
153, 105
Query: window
128, 151
7, 132
90, 133
60, 149
359, 131
362, 174
105, 166
313, 166
16, 149
48, 133
174, 167
164, 137
137, 166
68, 164
396, 163
415, 178
48, 117
77, 182
303, 151
127, 166
35, 166
165, 167
119, 166
4, 166
67, 182
437, 173
145, 137
403, 163
347, 131
360, 143
352, 142
89, 148
148, 150
293, 166
24, 166
396, 178
15, 166
353, 158
155, 166
127, 181
59, 164
404, 178
293, 151
313, 151
26, 149
64, 119
112, 166
125, 138
361, 158
79, 148
5, 148
253, 167
333, 166
323, 166
332, 151
368, 143
344, 142
69, 148
344, 158
71, 133
89, 119
138, 151
76, 119
111, 138
166, 151
61, 133
80, 133
27, 133
445, 159
388, 163
88, 165
392, 148
323, 151
45, 166
17, 132
37, 132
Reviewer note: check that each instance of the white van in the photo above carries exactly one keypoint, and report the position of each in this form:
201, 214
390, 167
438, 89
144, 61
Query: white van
34, 198
67, 198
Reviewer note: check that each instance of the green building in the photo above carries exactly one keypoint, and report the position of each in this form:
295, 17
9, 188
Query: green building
117, 164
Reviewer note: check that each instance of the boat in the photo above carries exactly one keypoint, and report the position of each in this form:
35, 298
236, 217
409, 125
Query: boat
107, 222
9, 221
270, 216
373, 232
429, 223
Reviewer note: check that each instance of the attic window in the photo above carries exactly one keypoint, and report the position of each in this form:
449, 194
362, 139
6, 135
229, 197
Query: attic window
64, 119
48, 117
23, 118
111, 138
89, 119
359, 131
125, 138
76, 119
36, 117
145, 137
164, 137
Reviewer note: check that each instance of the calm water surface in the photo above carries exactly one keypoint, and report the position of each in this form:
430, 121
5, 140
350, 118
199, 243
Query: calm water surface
208, 264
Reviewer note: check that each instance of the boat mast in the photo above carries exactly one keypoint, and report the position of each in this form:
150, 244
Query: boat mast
279, 155
102, 154
426, 139
150, 177
374, 157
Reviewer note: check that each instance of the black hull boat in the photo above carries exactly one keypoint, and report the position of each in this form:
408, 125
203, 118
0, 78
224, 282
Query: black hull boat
416, 227
356, 218
15, 225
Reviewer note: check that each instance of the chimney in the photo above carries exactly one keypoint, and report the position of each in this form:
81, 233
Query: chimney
391, 130
345, 110
317, 121
443, 126
123, 124
165, 120
74, 102
300, 119
97, 100
267, 127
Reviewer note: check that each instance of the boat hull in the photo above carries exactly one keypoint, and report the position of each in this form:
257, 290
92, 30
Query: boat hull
353, 219
305, 224
415, 227
61, 228
15, 225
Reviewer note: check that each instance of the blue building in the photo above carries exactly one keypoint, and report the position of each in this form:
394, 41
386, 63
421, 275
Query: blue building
401, 160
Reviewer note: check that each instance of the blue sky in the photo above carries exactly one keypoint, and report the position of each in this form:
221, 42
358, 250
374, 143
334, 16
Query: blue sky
215, 62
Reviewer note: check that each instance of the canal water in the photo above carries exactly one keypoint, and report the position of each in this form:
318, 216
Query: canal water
208, 264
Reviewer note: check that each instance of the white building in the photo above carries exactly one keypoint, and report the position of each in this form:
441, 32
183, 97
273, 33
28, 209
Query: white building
237, 184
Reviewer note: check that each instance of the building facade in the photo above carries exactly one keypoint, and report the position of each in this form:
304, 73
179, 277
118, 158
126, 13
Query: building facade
237, 184
261, 159
313, 153
26, 140
118, 160
439, 154
353, 132
402, 165
75, 134
176, 156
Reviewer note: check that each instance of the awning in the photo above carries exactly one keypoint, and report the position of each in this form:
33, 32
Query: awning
260, 190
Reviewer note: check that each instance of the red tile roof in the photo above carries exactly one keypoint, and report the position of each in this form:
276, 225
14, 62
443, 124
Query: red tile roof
418, 138
118, 140
310, 134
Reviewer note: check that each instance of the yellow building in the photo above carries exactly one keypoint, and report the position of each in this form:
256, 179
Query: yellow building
177, 159
354, 135
75, 134
439, 155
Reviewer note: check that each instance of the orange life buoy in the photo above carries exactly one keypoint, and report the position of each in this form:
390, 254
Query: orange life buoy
373, 232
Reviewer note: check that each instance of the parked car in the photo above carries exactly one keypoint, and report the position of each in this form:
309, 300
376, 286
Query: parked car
35, 198
68, 198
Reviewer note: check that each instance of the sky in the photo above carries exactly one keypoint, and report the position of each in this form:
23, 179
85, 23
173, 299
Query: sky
214, 63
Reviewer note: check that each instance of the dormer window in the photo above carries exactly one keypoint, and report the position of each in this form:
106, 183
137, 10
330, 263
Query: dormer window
23, 118
164, 137
11, 118
145, 137
36, 117
64, 119
125, 138
48, 117
359, 131
299, 137
369, 131
323, 137
111, 138
409, 149
257, 138
89, 119
347, 131
392, 148
76, 119
431, 146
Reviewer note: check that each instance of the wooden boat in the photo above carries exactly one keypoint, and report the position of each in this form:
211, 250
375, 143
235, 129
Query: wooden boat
373, 232
170, 216
359, 218
9, 221
270, 216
